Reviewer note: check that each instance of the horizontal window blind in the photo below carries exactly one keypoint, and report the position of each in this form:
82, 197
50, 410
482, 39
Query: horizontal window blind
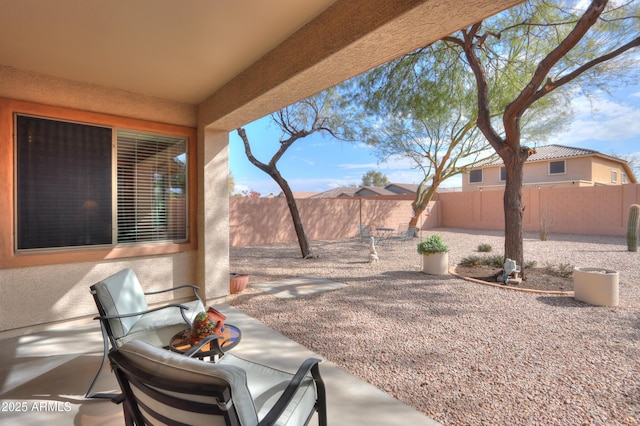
152, 188
63, 184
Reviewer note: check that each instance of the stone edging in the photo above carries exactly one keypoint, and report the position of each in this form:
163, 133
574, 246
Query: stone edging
452, 271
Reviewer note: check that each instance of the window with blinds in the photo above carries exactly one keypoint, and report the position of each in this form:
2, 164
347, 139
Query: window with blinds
152, 188
65, 186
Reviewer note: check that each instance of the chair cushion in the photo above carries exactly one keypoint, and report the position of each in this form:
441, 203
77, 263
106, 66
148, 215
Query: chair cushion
121, 294
169, 365
159, 326
267, 384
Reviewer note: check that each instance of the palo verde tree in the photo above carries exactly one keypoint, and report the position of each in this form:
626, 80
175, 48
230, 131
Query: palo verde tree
423, 107
539, 47
316, 114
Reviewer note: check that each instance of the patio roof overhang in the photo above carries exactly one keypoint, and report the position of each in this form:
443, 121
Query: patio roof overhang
237, 60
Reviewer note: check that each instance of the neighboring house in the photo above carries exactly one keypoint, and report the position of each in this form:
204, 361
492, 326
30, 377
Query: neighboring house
372, 191
555, 166
115, 121
340, 192
299, 195
402, 188
390, 190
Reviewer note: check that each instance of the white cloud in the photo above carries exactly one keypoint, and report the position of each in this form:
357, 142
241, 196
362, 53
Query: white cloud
601, 119
358, 166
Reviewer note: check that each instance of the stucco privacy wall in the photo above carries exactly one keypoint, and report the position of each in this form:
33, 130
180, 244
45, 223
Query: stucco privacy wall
599, 210
592, 210
267, 220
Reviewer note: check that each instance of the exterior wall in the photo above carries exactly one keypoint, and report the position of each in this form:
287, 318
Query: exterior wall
597, 210
579, 171
602, 169
267, 220
46, 287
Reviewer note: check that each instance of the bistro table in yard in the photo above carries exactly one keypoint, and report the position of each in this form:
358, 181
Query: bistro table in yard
461, 352
383, 234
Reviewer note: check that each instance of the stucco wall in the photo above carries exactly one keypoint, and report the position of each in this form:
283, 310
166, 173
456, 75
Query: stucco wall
601, 210
267, 220
598, 210
55, 286
44, 294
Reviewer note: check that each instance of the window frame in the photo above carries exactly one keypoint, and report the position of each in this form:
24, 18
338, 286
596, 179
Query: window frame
614, 176
17, 196
12, 259
117, 229
564, 167
481, 176
500, 173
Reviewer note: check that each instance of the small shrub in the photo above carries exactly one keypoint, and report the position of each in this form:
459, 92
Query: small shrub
433, 244
495, 261
545, 224
565, 270
484, 248
471, 261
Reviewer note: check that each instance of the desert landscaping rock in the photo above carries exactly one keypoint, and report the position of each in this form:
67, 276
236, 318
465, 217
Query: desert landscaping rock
460, 352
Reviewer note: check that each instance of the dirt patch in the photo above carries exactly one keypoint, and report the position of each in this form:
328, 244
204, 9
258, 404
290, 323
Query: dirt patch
541, 279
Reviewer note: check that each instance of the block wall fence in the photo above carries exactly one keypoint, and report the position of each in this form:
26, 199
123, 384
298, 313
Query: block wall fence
600, 210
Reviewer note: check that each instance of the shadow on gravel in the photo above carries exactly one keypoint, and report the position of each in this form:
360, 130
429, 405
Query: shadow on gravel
562, 302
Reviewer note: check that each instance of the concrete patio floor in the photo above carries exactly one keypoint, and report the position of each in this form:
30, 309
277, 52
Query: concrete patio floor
45, 373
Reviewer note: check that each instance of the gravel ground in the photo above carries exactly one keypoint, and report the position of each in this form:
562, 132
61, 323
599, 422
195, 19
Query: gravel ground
460, 352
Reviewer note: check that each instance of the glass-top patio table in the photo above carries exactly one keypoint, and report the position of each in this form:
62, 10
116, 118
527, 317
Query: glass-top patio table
231, 335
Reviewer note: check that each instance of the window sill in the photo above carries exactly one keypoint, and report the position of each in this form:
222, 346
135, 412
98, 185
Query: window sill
20, 260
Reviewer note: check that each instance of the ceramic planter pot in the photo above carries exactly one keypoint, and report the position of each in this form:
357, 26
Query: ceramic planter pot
596, 286
435, 263
238, 282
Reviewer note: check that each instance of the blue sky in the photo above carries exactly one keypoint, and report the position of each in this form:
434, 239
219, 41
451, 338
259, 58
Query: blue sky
607, 123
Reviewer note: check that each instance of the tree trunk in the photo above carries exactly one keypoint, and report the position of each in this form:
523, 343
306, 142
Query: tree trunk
303, 241
513, 208
419, 205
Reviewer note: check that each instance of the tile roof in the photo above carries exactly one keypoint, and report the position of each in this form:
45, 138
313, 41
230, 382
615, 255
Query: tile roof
343, 191
549, 152
411, 188
375, 189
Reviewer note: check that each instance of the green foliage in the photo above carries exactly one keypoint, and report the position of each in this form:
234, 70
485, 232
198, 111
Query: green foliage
494, 261
485, 248
632, 228
374, 178
545, 224
231, 183
565, 270
433, 244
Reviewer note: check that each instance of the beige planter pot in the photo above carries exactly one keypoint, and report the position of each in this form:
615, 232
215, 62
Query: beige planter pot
435, 263
596, 286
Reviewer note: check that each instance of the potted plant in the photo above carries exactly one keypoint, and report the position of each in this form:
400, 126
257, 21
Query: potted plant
435, 255
238, 282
